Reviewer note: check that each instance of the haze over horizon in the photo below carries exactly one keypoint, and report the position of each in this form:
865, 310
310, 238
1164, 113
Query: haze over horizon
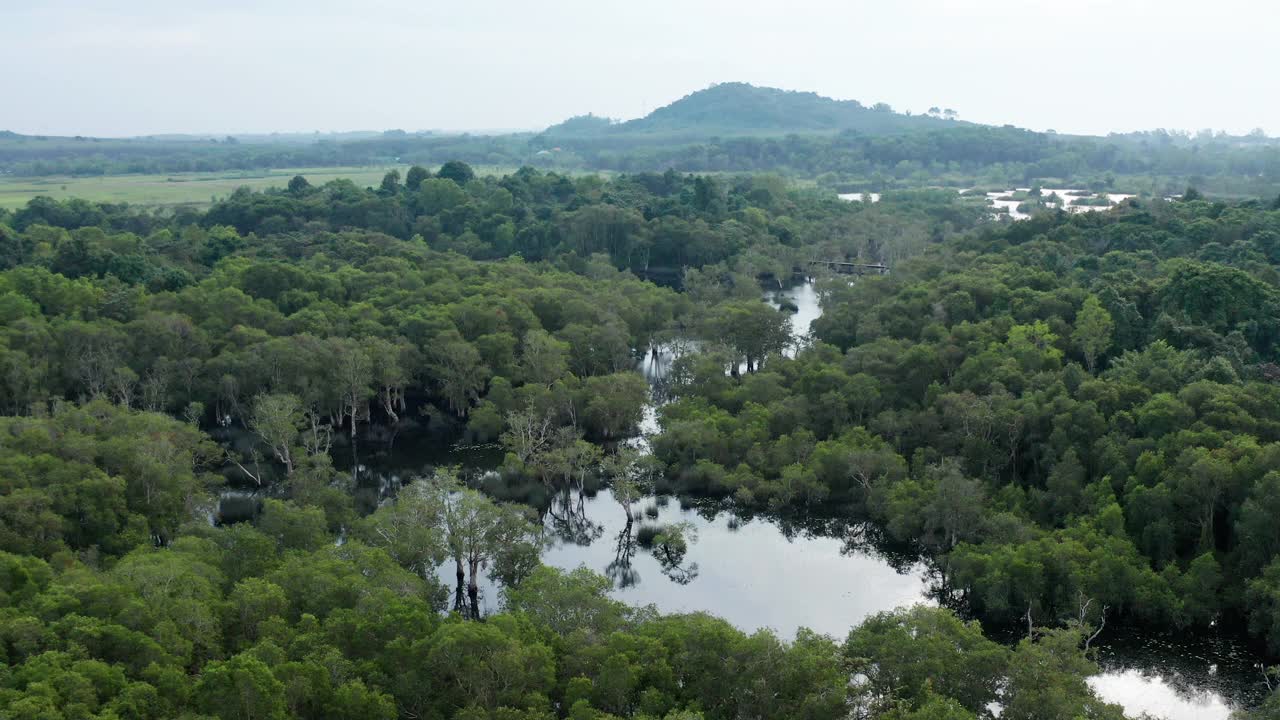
135, 67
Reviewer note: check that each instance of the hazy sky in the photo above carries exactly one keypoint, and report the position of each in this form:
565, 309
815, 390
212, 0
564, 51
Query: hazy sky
128, 67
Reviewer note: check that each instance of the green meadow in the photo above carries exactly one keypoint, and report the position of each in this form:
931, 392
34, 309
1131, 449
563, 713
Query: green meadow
193, 189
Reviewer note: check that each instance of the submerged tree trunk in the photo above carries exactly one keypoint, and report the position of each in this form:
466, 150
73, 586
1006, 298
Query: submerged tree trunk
473, 591
355, 456
459, 599
1207, 538
389, 402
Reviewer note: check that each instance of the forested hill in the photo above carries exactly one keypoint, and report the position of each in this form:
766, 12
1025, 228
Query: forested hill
727, 128
740, 108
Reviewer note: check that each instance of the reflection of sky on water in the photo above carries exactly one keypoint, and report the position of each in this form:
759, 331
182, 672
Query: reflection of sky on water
1143, 693
857, 197
1065, 199
752, 575
805, 298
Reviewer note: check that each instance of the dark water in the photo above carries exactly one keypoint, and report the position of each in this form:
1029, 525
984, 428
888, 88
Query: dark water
1178, 677
766, 572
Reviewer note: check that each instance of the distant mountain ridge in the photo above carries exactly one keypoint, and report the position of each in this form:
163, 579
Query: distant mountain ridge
742, 108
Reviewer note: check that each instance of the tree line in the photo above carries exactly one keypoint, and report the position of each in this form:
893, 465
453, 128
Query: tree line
962, 155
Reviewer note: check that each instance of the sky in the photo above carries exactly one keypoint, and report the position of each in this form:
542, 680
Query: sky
134, 67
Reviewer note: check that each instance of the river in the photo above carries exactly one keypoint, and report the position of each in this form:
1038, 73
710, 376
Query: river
766, 572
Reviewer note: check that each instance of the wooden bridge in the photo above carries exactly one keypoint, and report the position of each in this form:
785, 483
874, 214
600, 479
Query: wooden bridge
852, 268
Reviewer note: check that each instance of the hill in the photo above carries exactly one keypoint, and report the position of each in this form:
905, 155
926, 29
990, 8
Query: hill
744, 109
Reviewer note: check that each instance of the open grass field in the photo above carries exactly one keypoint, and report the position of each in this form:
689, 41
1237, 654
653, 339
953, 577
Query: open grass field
197, 189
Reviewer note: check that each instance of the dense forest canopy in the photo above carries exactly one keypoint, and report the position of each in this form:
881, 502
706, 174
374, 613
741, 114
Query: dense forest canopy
1073, 417
1074, 406
644, 221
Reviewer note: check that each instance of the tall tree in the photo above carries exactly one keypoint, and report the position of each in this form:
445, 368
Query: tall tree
457, 171
751, 329
460, 373
479, 532
278, 420
412, 530
352, 372
1093, 330
630, 478
413, 179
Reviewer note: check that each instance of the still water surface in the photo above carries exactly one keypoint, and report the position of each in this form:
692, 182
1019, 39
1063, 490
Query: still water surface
1010, 207
764, 573
755, 573
1064, 197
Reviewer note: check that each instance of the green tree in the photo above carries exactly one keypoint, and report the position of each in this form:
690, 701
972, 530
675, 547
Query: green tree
460, 374
477, 532
457, 171
1092, 334
352, 373
253, 602
278, 420
614, 404
908, 655
752, 330
565, 601
390, 183
293, 527
1046, 681
414, 177
629, 475
242, 688
411, 530
543, 357
935, 708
